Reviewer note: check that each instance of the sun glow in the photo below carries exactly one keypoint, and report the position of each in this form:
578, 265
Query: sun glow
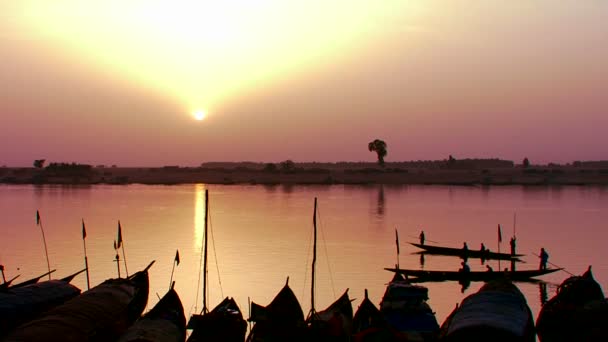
199, 115
204, 49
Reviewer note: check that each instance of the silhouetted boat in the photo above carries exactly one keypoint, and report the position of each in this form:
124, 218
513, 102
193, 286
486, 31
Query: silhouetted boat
24, 283
281, 320
474, 254
405, 309
369, 324
164, 323
574, 312
334, 323
101, 314
497, 312
24, 303
225, 322
422, 275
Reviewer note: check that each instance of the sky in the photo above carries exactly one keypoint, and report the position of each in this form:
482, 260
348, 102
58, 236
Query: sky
119, 81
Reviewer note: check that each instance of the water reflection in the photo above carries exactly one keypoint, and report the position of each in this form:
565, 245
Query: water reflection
544, 297
199, 216
381, 201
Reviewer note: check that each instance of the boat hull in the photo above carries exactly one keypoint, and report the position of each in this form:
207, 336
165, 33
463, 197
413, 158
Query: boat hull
472, 276
464, 254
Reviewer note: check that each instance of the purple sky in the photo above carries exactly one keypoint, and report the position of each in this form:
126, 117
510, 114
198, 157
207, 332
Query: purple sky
108, 83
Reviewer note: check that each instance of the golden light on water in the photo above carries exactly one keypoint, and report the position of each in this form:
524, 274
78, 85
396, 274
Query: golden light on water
198, 50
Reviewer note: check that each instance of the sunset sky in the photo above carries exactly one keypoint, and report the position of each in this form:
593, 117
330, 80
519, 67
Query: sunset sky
119, 81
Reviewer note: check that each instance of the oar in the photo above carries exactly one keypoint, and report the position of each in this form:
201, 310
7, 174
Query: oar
554, 265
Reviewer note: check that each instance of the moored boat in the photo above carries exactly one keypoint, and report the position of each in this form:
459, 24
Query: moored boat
166, 322
281, 320
334, 323
102, 313
369, 324
225, 323
574, 311
31, 281
466, 253
497, 312
405, 309
24, 303
472, 275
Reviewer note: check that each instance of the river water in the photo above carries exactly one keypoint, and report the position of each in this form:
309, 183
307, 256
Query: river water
260, 235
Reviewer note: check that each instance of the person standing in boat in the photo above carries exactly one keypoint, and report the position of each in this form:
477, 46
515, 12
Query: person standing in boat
544, 258
512, 243
422, 237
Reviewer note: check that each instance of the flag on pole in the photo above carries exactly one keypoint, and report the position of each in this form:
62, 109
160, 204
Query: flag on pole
119, 240
177, 256
84, 231
37, 217
499, 234
397, 240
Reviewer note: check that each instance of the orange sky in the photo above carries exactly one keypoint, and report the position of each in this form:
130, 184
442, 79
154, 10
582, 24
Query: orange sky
116, 82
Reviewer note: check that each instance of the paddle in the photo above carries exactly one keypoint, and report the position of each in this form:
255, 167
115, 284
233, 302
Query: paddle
554, 265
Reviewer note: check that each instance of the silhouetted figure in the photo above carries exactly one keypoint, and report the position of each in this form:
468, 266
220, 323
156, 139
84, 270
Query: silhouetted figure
489, 268
512, 243
465, 248
422, 237
483, 248
544, 258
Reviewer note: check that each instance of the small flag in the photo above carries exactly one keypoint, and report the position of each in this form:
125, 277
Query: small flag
499, 234
397, 240
177, 257
119, 240
84, 231
37, 217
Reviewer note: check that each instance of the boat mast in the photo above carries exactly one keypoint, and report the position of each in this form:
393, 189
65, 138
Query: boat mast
314, 260
205, 253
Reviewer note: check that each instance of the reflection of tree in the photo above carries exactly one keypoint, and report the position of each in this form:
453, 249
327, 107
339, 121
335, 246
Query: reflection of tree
381, 201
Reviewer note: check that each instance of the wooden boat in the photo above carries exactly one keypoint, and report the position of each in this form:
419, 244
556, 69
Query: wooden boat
405, 309
472, 275
164, 323
225, 322
101, 314
574, 311
497, 312
24, 303
281, 320
334, 323
474, 254
369, 324
34, 280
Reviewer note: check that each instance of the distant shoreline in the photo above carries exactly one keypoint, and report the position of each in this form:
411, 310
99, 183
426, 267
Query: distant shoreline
237, 173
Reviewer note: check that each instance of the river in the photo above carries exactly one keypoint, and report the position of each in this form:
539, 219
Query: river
260, 235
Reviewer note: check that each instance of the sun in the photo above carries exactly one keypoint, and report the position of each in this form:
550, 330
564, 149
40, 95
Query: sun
199, 114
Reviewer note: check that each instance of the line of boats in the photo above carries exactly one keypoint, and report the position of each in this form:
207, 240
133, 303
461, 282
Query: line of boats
56, 310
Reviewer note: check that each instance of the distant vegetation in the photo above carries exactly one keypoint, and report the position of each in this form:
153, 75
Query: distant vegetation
378, 146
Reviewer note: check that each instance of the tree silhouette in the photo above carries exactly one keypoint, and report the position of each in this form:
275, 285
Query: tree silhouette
379, 147
39, 163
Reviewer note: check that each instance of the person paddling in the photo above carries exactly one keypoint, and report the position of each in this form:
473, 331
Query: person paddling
544, 258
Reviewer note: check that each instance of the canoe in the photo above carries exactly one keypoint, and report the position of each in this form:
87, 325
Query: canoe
334, 323
476, 254
281, 320
166, 322
369, 323
405, 309
101, 314
497, 312
569, 314
24, 303
472, 275
34, 280
224, 323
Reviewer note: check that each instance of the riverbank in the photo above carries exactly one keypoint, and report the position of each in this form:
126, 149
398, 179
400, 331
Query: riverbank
362, 174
